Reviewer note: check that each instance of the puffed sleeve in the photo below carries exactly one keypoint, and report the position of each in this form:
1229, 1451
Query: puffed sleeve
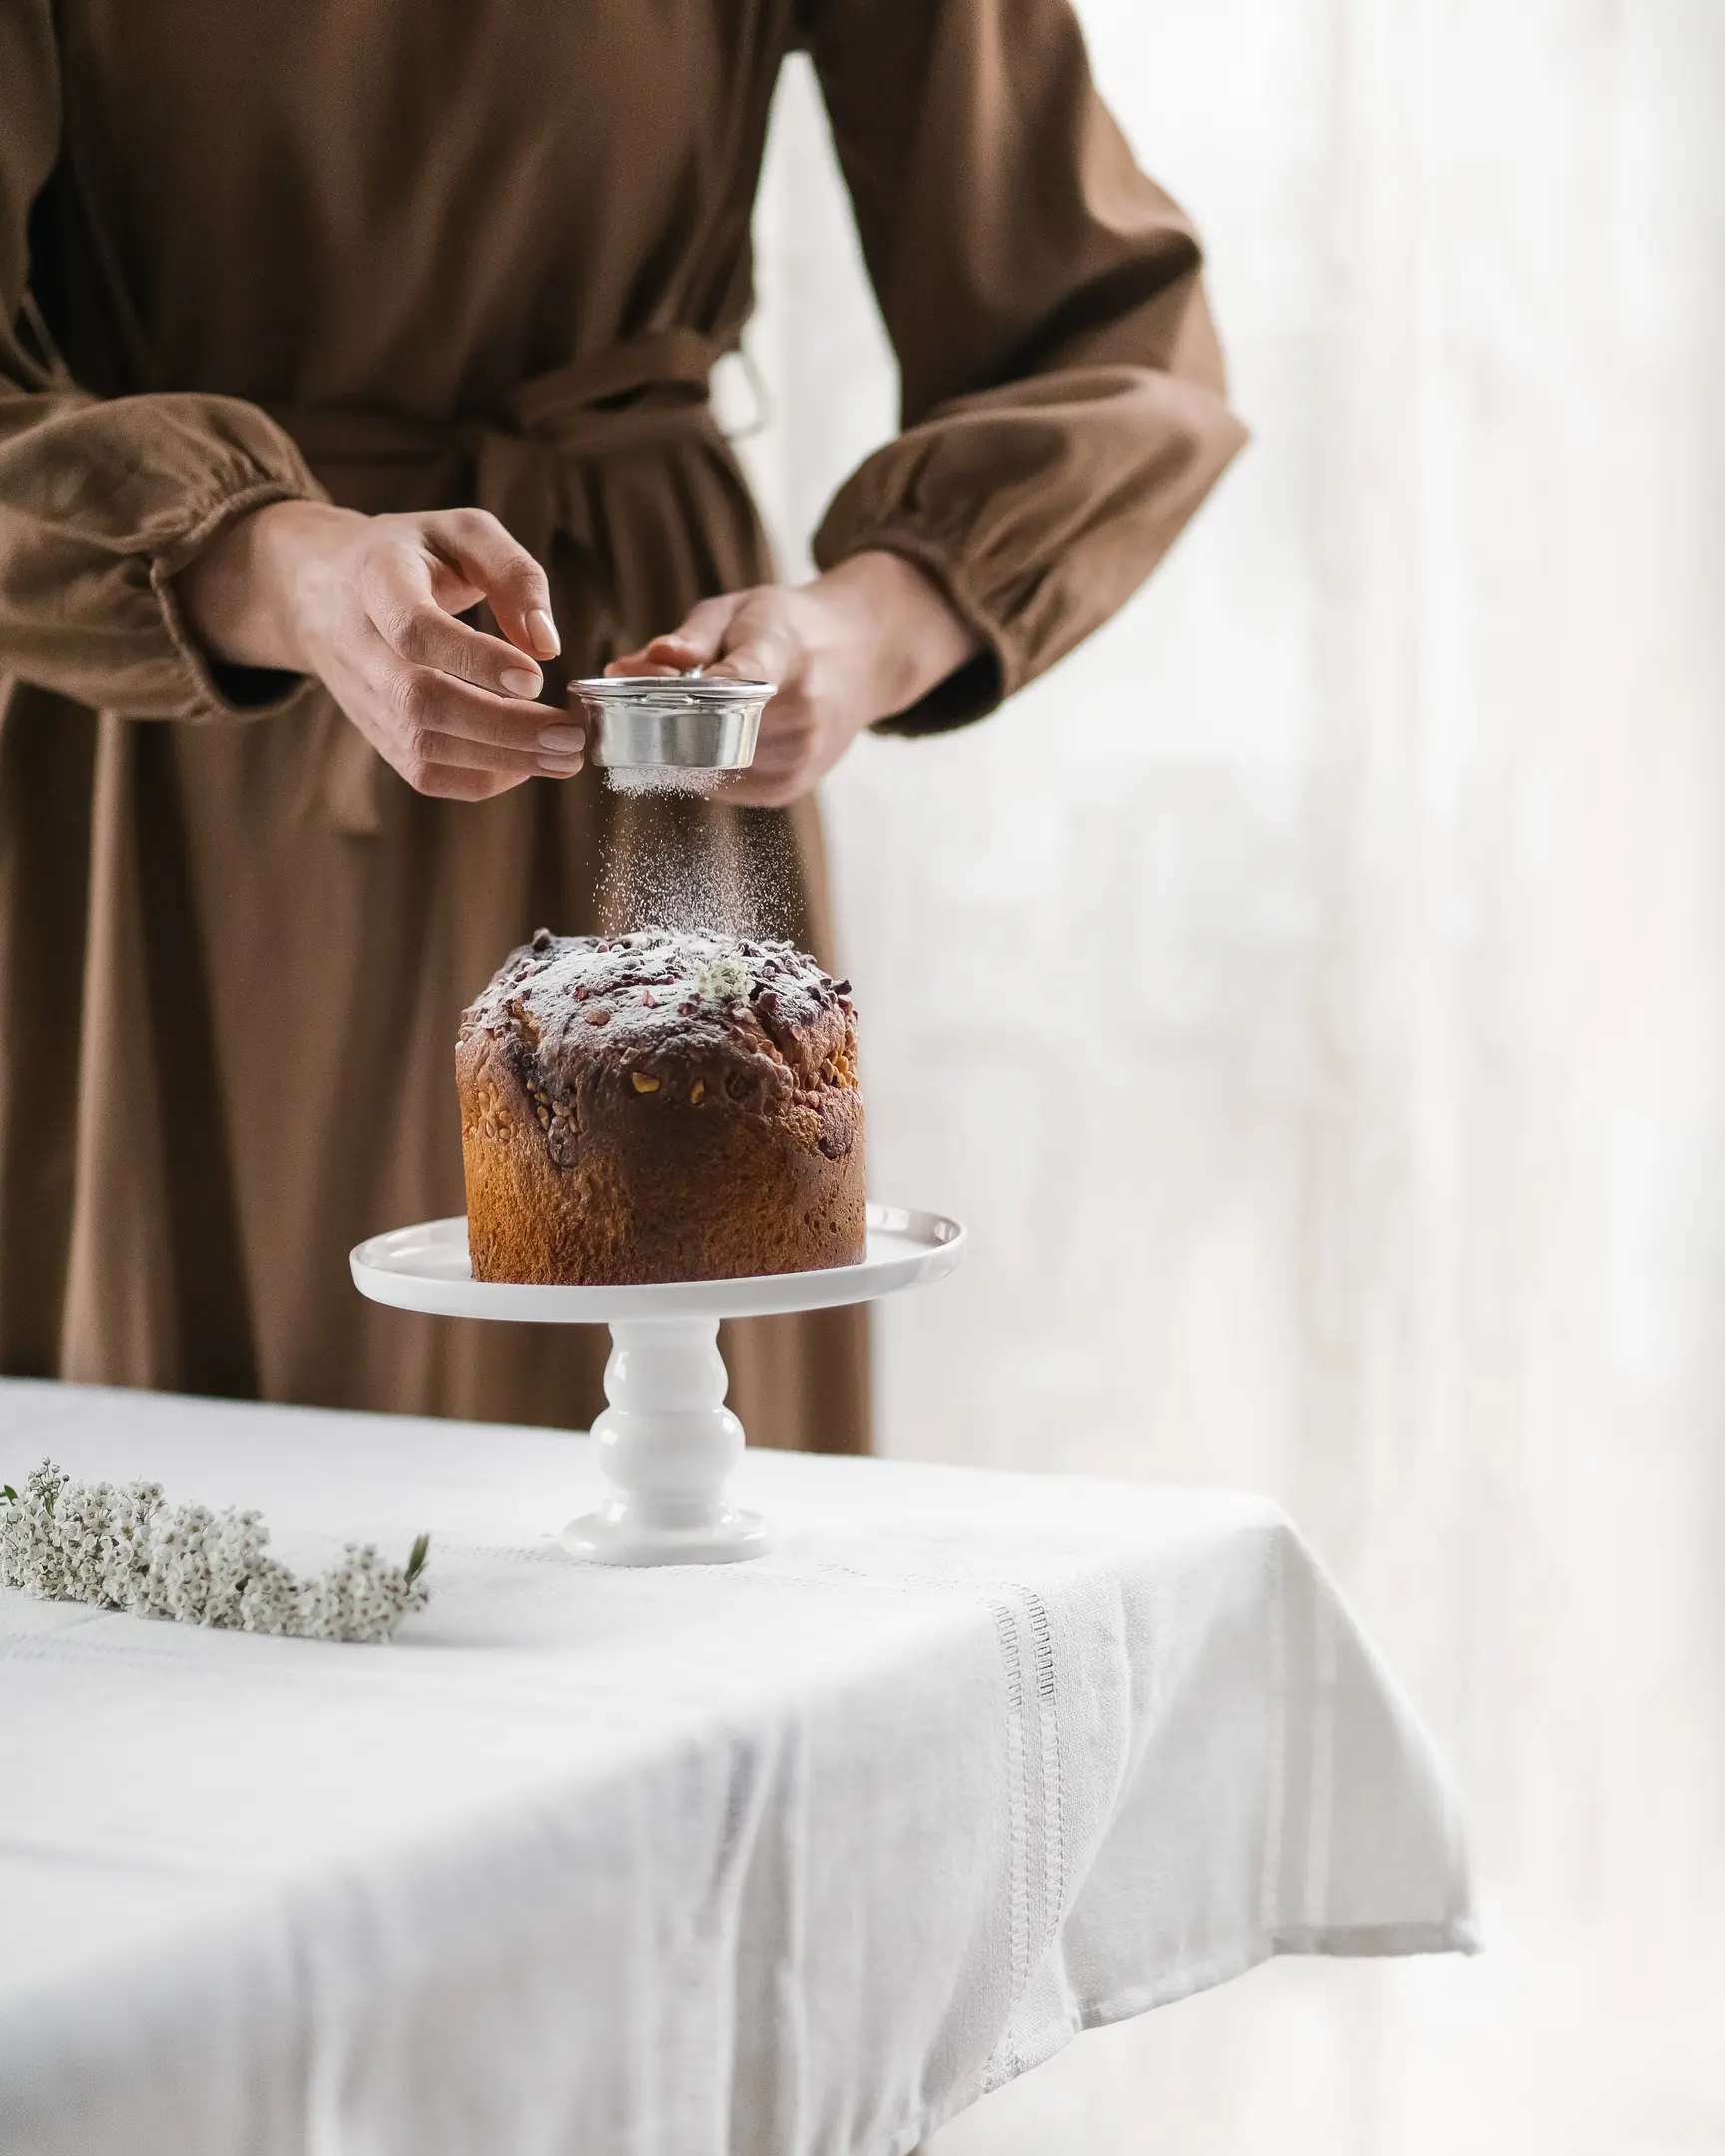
1062, 392
101, 501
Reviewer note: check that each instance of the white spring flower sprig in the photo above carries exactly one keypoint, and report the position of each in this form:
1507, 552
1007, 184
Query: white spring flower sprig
122, 1547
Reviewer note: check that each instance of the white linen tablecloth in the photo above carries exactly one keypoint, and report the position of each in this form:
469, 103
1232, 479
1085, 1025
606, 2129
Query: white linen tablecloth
790, 1858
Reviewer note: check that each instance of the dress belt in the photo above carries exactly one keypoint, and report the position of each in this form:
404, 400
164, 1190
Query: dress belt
526, 466
526, 458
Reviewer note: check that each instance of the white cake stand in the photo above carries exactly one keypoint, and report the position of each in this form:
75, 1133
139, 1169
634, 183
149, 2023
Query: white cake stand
666, 1442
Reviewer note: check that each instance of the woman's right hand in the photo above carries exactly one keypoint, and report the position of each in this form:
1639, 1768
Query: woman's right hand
368, 604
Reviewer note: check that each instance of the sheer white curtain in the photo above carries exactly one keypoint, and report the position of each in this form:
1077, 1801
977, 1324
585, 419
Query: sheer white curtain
1314, 996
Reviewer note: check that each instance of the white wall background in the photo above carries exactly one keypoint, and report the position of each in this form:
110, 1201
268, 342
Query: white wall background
1314, 996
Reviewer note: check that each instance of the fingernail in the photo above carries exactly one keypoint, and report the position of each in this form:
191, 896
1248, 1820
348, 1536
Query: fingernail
559, 767
519, 682
542, 631
563, 740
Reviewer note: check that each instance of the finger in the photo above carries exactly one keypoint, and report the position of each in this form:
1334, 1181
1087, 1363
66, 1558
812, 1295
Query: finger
770, 782
464, 770
636, 666
432, 751
396, 586
358, 699
451, 782
780, 760
512, 580
757, 645
695, 640
424, 721
426, 703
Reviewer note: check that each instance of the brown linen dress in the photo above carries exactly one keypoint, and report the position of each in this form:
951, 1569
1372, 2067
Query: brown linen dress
410, 256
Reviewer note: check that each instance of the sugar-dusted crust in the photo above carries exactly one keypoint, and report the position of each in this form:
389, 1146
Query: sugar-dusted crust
658, 1106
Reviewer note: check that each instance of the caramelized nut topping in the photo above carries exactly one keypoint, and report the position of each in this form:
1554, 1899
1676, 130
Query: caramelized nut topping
641, 1083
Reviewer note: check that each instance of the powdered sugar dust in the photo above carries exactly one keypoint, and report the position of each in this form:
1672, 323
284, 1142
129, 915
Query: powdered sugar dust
676, 857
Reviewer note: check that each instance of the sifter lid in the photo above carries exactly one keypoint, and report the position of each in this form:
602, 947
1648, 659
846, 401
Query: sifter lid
675, 692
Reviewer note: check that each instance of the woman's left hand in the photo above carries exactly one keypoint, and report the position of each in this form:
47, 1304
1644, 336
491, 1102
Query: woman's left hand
867, 639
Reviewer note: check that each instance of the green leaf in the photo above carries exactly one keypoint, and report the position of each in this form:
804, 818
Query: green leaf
8, 1492
416, 1560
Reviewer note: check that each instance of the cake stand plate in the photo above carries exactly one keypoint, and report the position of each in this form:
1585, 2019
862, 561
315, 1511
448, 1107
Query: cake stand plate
666, 1442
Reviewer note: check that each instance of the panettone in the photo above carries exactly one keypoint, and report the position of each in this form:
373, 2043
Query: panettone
660, 1107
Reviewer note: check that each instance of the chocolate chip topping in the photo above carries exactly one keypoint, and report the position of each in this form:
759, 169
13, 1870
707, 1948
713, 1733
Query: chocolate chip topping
658, 1012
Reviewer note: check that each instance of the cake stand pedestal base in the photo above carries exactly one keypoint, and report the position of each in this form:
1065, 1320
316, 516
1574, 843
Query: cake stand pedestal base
668, 1444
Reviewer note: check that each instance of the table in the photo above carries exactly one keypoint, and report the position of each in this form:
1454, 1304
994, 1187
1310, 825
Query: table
790, 1857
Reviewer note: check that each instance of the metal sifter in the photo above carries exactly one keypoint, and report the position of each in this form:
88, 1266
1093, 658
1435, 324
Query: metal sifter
672, 727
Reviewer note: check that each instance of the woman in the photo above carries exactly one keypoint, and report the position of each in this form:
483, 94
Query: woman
318, 328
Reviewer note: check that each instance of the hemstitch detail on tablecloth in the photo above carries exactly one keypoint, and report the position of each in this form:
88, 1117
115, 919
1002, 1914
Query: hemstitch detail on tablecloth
1035, 1786
1034, 1779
